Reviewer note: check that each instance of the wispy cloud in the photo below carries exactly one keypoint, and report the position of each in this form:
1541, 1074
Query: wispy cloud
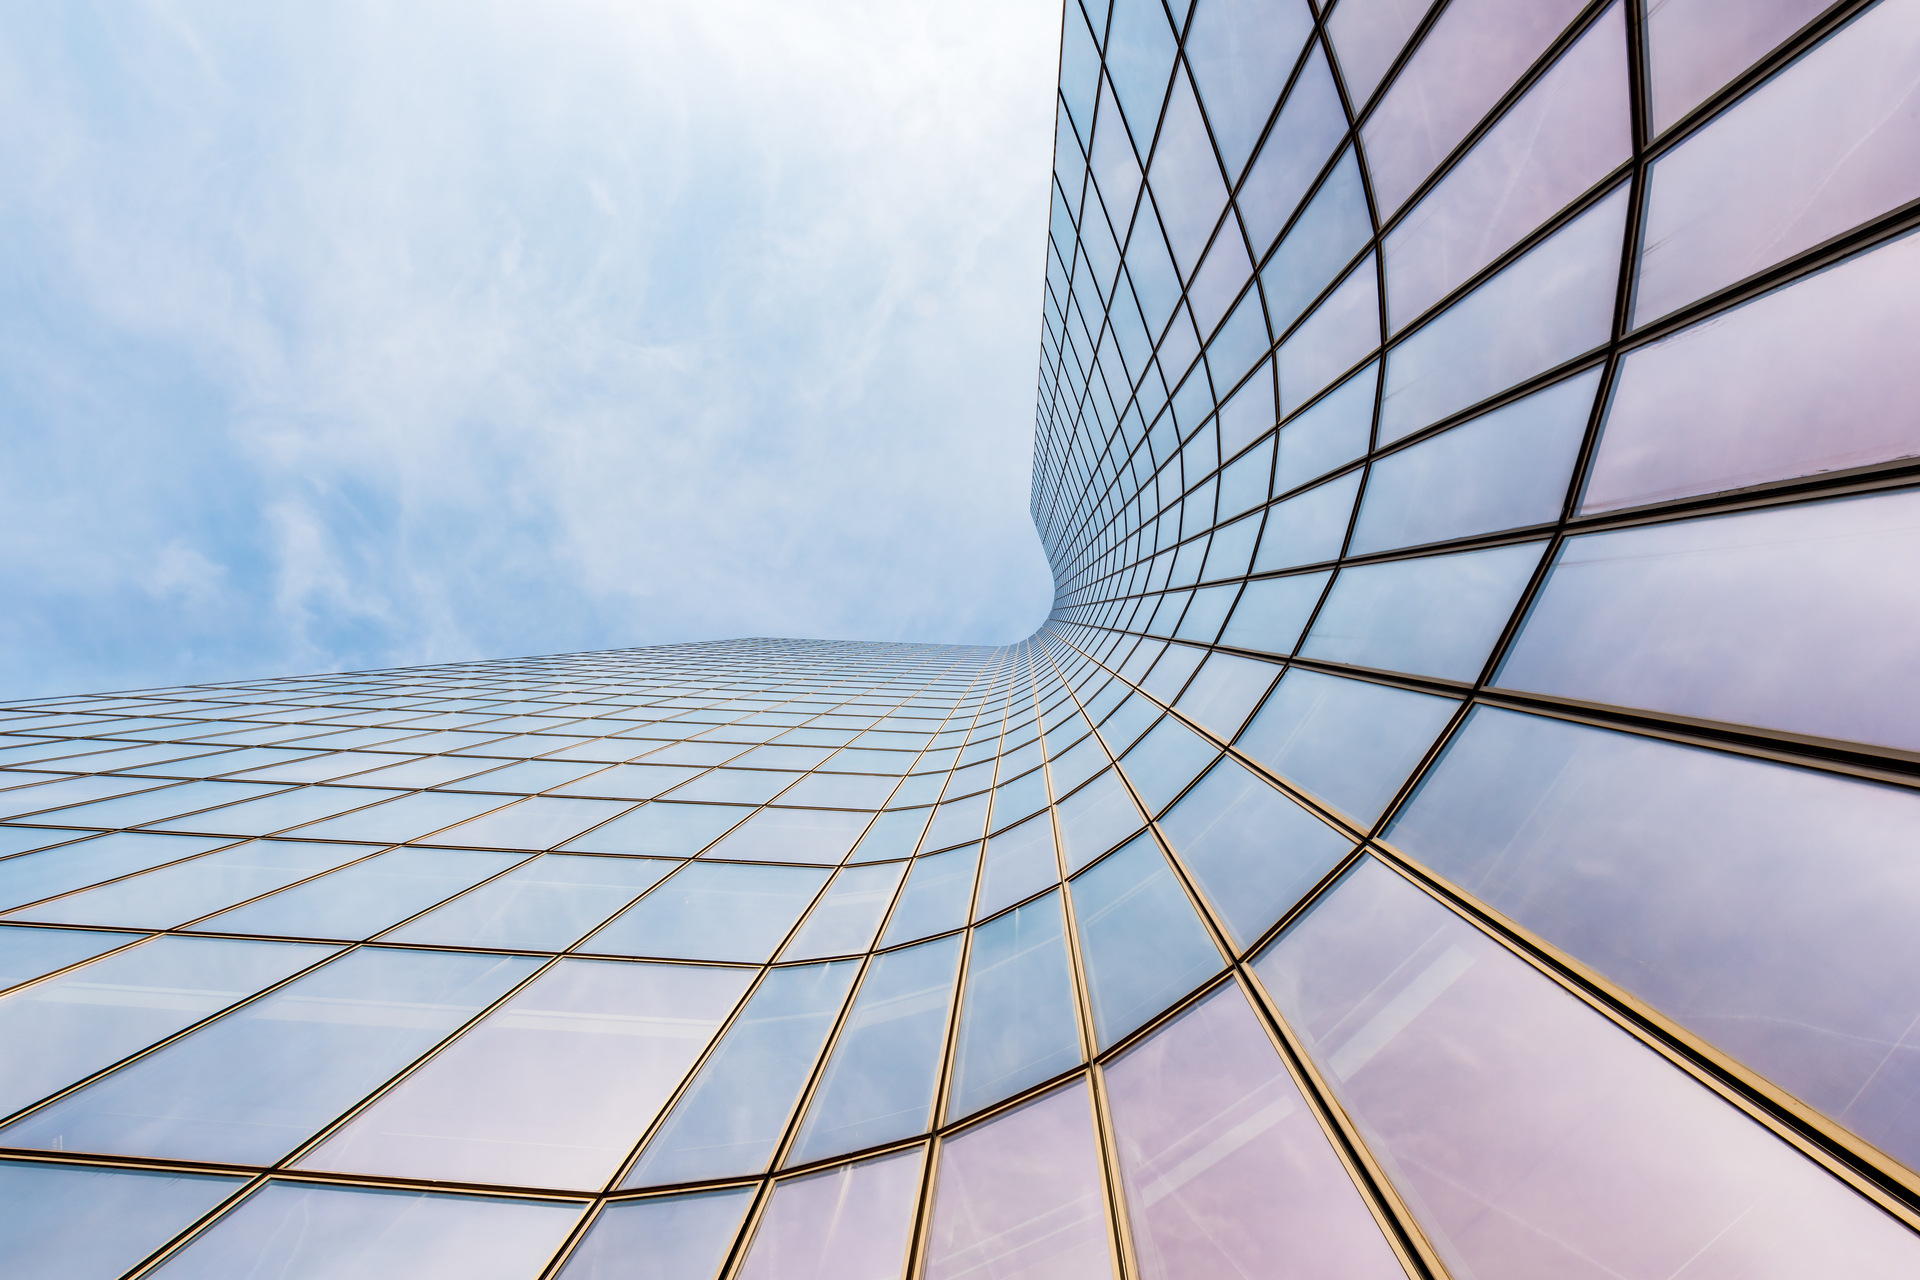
357, 335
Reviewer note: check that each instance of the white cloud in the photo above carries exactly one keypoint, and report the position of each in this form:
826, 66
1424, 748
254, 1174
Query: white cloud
464, 329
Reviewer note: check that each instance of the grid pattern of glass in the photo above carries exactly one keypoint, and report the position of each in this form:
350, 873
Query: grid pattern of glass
1458, 820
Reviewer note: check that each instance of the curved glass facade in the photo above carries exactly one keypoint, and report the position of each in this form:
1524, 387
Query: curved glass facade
1458, 820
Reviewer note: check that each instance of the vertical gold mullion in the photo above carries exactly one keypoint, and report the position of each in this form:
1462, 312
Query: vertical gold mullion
1126, 1260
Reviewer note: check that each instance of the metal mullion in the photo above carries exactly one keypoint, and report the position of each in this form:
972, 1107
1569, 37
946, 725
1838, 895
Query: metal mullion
134, 937
736, 1257
1395, 1218
163, 1042
194, 1230
1862, 1166
378, 850
796, 1118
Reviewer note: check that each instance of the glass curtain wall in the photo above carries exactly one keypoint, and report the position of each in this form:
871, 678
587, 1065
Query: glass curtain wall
1458, 820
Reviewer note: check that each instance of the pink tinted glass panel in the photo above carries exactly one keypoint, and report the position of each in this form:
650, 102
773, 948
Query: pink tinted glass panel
1567, 133
1827, 144
1020, 1197
1695, 46
1469, 58
850, 1223
1333, 338
1531, 1136
1800, 618
1226, 1172
1368, 34
1817, 377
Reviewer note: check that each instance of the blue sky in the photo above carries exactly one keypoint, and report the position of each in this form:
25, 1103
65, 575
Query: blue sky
354, 335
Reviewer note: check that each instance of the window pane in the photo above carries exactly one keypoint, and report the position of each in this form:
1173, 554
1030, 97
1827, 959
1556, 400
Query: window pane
854, 1221
1504, 470
1272, 611
1435, 616
1805, 379
713, 911
41, 875
539, 823
607, 1043
250, 1087
1768, 909
1253, 851
1020, 1197
66, 1028
1020, 863
1795, 618
1096, 818
1530, 1135
1141, 944
793, 835
736, 1109
1820, 148
363, 899
28, 953
879, 1084
894, 834
844, 920
545, 904
173, 895
666, 1238
937, 897
1695, 46
93, 1224
1309, 527
662, 828
1225, 1170
1349, 742
1018, 1024
1296, 149
296, 1232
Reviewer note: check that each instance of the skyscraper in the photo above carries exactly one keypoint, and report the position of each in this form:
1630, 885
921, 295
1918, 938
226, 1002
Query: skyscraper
1459, 819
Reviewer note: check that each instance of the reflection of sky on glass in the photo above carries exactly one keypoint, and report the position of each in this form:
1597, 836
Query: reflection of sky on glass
330, 334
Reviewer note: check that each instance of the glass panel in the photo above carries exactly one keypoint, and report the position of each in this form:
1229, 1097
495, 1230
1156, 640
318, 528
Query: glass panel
1695, 46
66, 1028
1342, 329
1569, 131
1823, 146
1139, 58
666, 1238
960, 820
1308, 528
1346, 741
794, 835
713, 911
879, 1084
1185, 178
1435, 616
1768, 909
408, 818
1142, 946
1020, 863
1333, 431
1796, 618
1297, 148
1530, 1135
841, 791
1469, 58
736, 1109
1024, 795
1225, 1171
546, 904
1367, 35
278, 812
33, 877
1241, 52
28, 953
844, 921
894, 834
172, 895
1096, 818
938, 895
250, 1087
1165, 761
1226, 691
69, 1221
607, 1042
1272, 612
1018, 1023
1803, 380
365, 898
1020, 1197
632, 781
664, 829
539, 823
1252, 851
1505, 470
854, 1221
1550, 305
298, 1232
1329, 232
